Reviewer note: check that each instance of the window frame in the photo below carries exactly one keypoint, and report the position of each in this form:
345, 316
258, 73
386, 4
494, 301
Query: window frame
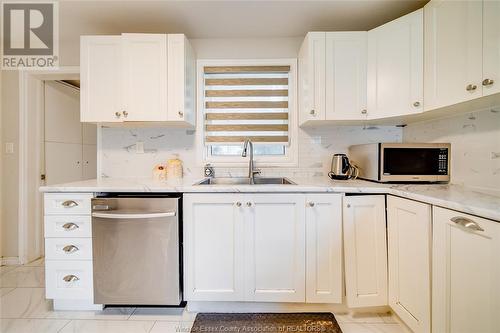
290, 158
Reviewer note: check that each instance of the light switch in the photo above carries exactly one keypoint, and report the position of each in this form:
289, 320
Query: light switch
139, 147
9, 148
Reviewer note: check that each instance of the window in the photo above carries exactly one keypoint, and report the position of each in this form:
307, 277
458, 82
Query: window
245, 100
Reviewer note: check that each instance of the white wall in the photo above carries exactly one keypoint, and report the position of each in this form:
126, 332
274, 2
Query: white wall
475, 146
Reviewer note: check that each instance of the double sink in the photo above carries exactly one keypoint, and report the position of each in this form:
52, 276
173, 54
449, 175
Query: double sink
246, 181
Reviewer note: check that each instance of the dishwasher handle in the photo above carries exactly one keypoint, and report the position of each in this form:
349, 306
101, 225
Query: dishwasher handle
133, 215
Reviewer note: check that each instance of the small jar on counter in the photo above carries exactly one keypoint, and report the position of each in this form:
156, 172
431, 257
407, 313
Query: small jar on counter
174, 168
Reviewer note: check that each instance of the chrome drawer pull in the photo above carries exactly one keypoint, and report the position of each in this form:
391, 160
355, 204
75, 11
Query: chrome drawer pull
466, 223
70, 226
70, 248
70, 278
69, 204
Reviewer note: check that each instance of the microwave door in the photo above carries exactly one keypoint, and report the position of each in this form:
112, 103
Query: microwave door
414, 164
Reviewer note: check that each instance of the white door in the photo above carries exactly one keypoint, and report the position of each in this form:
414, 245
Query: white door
395, 67
100, 79
491, 47
213, 247
465, 273
365, 250
275, 247
145, 77
324, 248
345, 75
409, 239
453, 52
312, 78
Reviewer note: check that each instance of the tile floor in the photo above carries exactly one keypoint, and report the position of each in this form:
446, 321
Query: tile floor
24, 309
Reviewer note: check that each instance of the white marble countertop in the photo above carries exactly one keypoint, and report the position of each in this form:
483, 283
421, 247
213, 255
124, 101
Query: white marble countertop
448, 196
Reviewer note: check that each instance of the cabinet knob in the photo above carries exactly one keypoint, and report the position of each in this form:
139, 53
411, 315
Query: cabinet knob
348, 205
181, 114
70, 226
249, 204
312, 112
70, 248
238, 204
466, 223
69, 203
416, 104
310, 204
471, 87
125, 114
488, 82
71, 278
118, 114
364, 111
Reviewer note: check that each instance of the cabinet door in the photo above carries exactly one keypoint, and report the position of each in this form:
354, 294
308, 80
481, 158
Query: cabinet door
275, 247
182, 80
100, 79
345, 76
465, 273
453, 52
409, 239
395, 67
312, 78
324, 248
491, 47
365, 250
145, 77
213, 248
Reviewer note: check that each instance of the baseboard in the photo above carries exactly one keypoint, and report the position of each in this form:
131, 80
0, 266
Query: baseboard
233, 307
9, 261
76, 305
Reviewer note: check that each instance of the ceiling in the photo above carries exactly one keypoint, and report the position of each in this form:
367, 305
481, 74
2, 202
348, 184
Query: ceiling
227, 19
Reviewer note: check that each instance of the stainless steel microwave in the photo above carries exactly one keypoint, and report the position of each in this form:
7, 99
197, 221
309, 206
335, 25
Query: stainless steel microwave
402, 162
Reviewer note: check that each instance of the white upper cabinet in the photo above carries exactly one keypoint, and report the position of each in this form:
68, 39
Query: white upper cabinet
100, 79
345, 77
453, 52
332, 76
312, 78
181, 80
324, 248
275, 247
491, 47
144, 77
395, 67
365, 250
466, 273
138, 78
409, 239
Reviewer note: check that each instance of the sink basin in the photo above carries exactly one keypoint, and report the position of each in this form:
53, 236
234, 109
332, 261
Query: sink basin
246, 181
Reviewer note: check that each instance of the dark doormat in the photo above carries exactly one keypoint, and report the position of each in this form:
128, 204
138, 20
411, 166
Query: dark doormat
265, 323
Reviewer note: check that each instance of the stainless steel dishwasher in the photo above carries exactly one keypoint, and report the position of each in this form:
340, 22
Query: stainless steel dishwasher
136, 250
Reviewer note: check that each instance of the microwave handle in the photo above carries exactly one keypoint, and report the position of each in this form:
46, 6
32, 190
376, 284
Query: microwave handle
133, 216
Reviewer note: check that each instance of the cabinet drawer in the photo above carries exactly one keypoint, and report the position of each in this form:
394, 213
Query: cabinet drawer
68, 248
68, 279
68, 226
68, 203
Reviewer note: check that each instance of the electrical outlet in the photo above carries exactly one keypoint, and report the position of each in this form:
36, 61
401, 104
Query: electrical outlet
9, 148
139, 147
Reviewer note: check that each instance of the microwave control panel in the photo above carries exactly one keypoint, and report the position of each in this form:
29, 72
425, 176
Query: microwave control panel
443, 161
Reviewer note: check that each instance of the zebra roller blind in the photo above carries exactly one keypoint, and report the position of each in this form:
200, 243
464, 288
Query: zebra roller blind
246, 102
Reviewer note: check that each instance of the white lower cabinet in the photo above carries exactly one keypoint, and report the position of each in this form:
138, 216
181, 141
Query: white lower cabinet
252, 247
324, 248
365, 250
466, 273
213, 247
409, 240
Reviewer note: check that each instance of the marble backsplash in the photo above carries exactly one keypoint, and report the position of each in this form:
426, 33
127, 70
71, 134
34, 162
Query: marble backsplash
119, 158
475, 146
